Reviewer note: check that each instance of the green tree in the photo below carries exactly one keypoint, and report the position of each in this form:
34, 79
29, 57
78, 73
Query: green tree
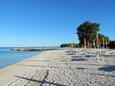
74, 45
106, 41
87, 31
103, 40
111, 44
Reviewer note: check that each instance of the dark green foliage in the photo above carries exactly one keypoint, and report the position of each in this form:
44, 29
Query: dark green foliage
70, 45
88, 31
112, 44
103, 40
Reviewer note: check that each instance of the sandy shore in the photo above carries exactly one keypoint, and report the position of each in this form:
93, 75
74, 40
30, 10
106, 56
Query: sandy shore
67, 67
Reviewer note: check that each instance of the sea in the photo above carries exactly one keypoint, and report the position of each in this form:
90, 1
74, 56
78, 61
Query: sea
9, 57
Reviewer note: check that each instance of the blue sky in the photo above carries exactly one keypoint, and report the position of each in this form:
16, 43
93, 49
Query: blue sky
51, 22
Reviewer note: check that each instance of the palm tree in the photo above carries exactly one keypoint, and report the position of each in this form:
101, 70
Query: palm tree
94, 44
111, 44
103, 41
87, 31
97, 41
106, 41
84, 46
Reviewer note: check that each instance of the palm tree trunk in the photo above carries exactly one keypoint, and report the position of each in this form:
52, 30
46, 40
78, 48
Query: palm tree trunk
103, 43
84, 43
87, 44
93, 43
97, 41
106, 43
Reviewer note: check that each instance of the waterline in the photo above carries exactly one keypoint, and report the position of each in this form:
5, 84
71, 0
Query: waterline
8, 57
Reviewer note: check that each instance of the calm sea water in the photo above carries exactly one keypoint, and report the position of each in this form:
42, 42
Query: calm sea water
8, 57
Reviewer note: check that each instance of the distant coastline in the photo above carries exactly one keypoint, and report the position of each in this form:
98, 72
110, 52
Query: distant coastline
9, 57
34, 48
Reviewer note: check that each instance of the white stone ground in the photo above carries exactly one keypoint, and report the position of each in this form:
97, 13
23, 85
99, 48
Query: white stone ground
67, 67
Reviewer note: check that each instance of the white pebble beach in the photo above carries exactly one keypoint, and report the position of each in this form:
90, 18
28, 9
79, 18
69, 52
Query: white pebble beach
63, 67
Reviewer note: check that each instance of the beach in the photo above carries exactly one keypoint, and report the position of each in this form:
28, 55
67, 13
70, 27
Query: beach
63, 67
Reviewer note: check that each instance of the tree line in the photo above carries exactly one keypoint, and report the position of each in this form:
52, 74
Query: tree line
89, 37
74, 45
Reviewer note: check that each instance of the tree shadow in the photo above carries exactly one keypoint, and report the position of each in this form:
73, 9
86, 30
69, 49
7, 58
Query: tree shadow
89, 56
108, 68
43, 81
76, 56
108, 55
81, 68
70, 52
78, 59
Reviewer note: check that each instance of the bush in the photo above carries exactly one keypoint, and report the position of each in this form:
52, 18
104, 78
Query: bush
74, 45
111, 44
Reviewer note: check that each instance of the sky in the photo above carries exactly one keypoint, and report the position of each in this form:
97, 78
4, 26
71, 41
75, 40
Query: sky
33, 23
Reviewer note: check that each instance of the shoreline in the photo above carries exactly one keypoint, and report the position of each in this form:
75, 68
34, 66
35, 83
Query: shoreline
60, 68
17, 57
20, 61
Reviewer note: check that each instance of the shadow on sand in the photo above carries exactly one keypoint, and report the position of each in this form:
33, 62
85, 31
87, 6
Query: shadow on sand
108, 68
70, 52
78, 58
44, 81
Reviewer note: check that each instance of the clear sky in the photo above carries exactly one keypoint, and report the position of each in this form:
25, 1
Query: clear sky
51, 22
